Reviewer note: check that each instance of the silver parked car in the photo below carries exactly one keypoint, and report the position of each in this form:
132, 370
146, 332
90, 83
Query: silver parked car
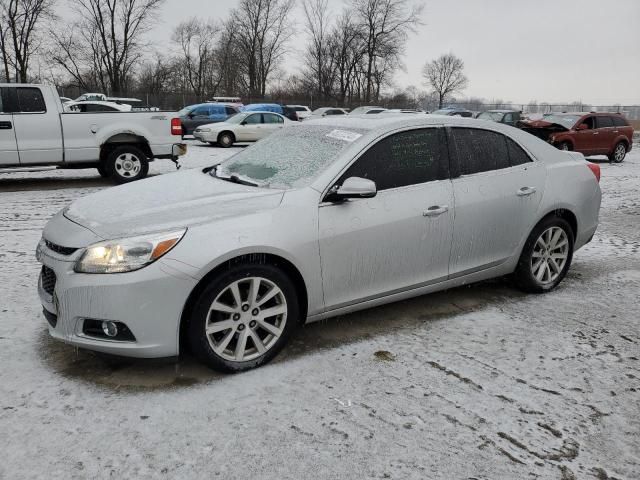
229, 260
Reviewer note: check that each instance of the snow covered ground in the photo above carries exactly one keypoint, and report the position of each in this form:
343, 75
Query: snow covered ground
481, 382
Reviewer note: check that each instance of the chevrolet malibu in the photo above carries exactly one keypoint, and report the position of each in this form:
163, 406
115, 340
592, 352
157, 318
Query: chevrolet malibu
320, 219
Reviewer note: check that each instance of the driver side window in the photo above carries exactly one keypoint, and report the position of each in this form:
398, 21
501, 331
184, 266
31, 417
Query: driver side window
589, 122
406, 158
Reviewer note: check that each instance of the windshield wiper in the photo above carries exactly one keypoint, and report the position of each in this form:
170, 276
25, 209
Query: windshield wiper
233, 178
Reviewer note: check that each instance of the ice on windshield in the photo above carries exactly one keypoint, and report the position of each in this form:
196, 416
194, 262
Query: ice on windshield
290, 158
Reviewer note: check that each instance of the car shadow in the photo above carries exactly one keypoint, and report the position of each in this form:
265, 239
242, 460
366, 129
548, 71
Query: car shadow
127, 374
22, 184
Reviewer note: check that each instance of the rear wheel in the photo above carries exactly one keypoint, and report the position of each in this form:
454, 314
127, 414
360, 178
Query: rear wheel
102, 170
127, 164
546, 256
243, 318
619, 152
226, 139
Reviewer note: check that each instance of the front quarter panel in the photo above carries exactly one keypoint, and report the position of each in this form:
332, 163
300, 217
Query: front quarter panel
289, 231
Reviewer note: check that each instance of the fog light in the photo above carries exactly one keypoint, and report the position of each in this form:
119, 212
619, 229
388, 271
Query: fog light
110, 329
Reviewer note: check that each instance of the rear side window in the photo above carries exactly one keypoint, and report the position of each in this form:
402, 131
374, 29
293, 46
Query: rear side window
619, 121
480, 150
30, 100
517, 156
406, 158
1, 102
604, 122
272, 118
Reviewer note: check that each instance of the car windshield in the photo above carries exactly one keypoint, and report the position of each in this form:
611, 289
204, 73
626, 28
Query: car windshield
564, 120
358, 110
320, 111
495, 116
237, 118
290, 158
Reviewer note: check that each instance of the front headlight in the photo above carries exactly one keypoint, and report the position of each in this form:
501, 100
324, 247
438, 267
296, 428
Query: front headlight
126, 254
200, 130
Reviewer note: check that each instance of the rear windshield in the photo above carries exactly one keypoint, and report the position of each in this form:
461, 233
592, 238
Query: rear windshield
292, 157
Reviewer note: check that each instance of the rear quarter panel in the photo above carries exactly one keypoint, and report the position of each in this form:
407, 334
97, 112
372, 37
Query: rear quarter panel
84, 133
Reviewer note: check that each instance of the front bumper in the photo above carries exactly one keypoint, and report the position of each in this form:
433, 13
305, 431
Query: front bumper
148, 301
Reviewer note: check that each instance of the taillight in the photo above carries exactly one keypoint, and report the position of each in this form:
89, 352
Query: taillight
176, 126
595, 168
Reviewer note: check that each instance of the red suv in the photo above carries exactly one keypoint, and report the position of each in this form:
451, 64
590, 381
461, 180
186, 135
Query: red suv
588, 133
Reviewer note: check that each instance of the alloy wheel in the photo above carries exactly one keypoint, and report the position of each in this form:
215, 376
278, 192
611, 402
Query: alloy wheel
619, 153
127, 165
246, 319
550, 254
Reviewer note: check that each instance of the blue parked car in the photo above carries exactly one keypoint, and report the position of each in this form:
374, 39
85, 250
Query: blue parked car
203, 113
288, 112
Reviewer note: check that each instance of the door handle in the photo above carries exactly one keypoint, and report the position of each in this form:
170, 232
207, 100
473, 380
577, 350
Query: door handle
524, 191
596, 133
5, 126
435, 210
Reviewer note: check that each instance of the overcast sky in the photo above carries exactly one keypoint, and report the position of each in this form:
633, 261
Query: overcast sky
518, 50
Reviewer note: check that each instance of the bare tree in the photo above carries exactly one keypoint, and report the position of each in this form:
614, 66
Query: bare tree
197, 39
386, 25
319, 62
446, 76
20, 25
107, 40
262, 29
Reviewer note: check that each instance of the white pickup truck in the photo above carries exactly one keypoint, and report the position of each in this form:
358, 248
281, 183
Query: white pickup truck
36, 134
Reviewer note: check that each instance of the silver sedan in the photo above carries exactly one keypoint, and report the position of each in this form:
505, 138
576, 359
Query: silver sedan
317, 220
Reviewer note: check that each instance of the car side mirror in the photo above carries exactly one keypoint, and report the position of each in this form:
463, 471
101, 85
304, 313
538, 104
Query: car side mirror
353, 187
582, 126
243, 123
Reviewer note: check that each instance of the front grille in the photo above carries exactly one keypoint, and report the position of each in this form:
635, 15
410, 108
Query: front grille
59, 249
48, 279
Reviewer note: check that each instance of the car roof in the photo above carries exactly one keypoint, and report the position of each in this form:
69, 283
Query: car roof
501, 111
583, 113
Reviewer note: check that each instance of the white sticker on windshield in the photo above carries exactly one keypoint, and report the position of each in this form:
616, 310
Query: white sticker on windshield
344, 135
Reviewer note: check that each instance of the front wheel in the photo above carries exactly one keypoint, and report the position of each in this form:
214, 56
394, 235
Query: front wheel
243, 318
127, 164
619, 152
226, 139
546, 256
565, 146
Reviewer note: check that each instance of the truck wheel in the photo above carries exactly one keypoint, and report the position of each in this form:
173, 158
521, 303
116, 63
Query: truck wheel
619, 152
127, 164
226, 139
102, 170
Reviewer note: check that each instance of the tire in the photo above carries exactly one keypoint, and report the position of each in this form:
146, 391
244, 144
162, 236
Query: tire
566, 146
226, 139
619, 152
102, 170
126, 164
531, 275
217, 308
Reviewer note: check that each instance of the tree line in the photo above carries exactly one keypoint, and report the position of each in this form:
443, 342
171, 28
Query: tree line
348, 55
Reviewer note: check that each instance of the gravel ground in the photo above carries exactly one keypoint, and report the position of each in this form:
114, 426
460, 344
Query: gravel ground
480, 382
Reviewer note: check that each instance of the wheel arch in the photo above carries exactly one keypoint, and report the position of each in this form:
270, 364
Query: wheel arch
565, 214
621, 139
247, 258
122, 139
230, 132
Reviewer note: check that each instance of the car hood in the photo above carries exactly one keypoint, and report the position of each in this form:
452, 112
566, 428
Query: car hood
167, 202
542, 124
